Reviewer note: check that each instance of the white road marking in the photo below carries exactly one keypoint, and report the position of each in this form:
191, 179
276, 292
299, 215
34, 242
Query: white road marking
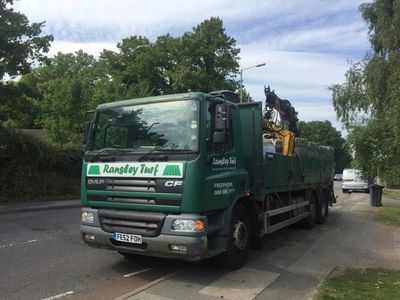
17, 243
59, 295
137, 272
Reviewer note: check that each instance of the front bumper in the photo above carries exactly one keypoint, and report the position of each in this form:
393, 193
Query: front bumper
160, 246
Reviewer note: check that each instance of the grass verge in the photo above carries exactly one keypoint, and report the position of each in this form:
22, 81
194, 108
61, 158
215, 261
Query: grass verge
389, 215
392, 194
361, 284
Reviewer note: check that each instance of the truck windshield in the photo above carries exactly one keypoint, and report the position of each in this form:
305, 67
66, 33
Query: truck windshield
143, 127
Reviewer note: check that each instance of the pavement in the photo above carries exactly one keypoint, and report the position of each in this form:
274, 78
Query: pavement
12, 208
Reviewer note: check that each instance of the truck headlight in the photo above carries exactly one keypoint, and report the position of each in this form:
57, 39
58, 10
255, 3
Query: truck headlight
87, 217
188, 225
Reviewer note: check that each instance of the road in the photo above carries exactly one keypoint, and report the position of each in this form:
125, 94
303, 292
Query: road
42, 256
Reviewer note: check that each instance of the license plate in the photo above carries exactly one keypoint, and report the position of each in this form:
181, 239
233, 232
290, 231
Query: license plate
127, 238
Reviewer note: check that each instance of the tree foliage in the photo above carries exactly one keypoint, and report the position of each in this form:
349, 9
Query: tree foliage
20, 41
67, 86
204, 59
323, 133
368, 101
21, 44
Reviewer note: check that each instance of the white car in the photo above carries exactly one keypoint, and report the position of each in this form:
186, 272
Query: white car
353, 181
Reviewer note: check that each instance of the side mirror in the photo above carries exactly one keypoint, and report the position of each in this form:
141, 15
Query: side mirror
221, 125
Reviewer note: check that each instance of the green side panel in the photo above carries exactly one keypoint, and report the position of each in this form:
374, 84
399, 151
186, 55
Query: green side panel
276, 169
251, 128
222, 188
311, 168
193, 188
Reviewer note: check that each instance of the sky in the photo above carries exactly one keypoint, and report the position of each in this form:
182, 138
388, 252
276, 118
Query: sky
307, 45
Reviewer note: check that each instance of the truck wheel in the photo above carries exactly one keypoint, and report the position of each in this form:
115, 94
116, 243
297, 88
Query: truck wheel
326, 209
344, 191
321, 213
238, 240
309, 222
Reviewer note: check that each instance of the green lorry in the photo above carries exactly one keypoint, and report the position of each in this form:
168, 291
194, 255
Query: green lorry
196, 175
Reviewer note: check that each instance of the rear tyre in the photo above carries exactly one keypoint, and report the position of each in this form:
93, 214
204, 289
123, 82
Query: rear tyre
344, 191
321, 209
326, 208
238, 240
309, 222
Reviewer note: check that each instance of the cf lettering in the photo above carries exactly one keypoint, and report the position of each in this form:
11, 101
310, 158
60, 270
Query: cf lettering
173, 183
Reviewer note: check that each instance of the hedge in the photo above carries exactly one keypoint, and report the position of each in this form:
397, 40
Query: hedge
35, 170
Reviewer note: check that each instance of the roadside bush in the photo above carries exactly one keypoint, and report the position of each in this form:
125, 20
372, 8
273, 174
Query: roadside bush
31, 169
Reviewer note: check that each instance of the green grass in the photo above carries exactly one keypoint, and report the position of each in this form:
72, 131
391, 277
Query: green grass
389, 215
361, 284
392, 194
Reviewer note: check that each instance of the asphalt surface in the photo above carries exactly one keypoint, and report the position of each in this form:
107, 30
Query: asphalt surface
42, 256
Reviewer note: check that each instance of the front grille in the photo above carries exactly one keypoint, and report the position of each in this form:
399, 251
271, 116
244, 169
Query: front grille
134, 200
128, 185
133, 222
121, 184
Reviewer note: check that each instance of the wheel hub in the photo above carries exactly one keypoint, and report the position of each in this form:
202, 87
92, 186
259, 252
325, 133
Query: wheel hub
240, 235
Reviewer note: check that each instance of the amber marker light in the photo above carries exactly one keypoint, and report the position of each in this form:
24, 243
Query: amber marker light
199, 225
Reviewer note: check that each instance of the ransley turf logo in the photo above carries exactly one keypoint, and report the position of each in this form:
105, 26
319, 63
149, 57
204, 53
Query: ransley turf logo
168, 170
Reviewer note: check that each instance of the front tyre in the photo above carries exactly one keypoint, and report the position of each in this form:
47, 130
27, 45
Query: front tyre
238, 240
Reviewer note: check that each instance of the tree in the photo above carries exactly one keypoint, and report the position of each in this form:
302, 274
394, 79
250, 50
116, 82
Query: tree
245, 96
67, 88
208, 59
21, 44
322, 132
205, 59
368, 101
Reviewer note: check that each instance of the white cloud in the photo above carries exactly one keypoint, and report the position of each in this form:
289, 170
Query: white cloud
302, 78
125, 17
339, 37
93, 48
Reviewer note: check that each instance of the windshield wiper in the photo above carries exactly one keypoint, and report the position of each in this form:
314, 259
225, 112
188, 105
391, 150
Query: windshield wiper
162, 150
100, 153
155, 123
